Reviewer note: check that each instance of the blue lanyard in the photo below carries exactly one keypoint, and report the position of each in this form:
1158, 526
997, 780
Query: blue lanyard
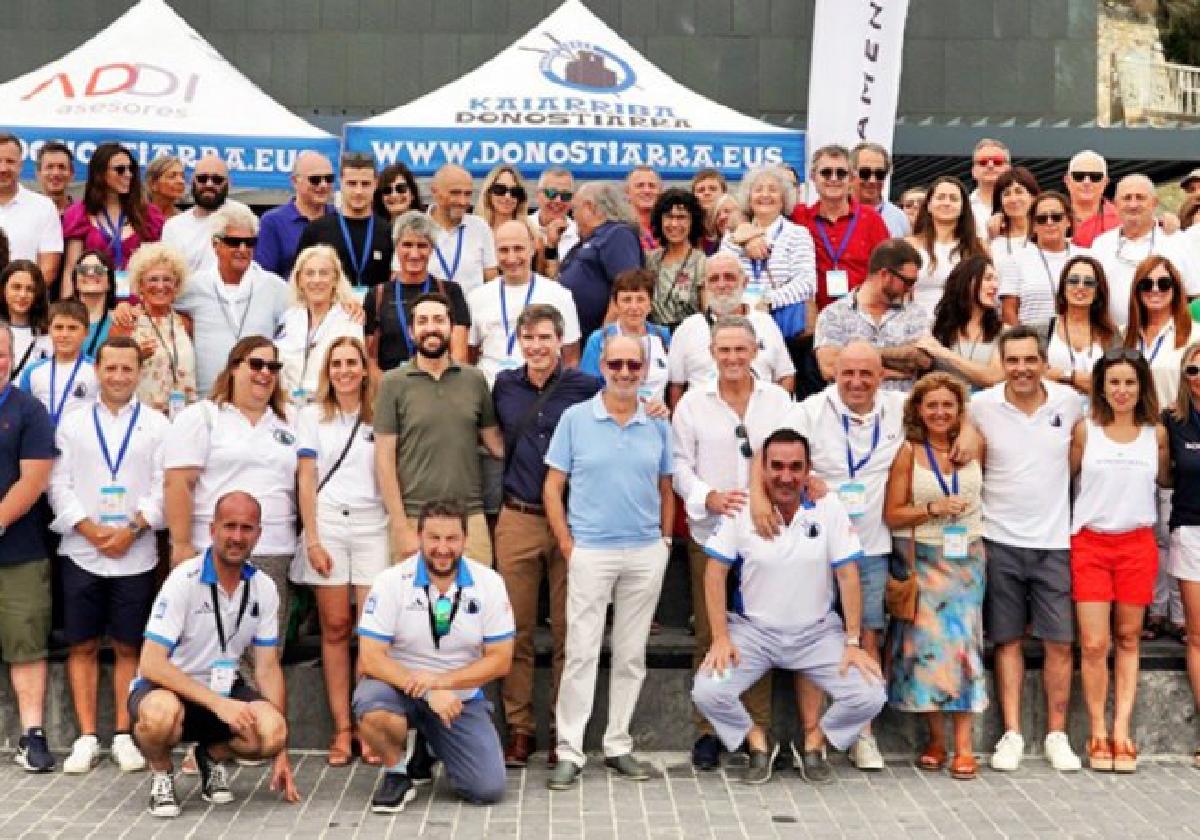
4, 395
757, 266
56, 414
114, 468
1154, 350
402, 318
951, 490
113, 234
512, 336
850, 463
450, 272
836, 256
358, 264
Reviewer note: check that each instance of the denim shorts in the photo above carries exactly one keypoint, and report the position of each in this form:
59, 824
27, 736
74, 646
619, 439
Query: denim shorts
872, 579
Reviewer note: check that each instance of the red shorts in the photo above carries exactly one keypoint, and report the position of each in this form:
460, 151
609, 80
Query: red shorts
1114, 567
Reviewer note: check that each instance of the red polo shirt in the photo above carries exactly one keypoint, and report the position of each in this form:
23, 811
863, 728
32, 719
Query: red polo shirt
1086, 231
868, 232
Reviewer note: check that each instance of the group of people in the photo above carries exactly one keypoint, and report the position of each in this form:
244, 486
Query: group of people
877, 435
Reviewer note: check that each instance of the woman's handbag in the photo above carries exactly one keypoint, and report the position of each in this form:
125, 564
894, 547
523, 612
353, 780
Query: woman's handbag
901, 593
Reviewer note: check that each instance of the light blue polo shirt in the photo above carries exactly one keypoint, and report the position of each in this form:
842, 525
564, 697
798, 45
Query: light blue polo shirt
613, 473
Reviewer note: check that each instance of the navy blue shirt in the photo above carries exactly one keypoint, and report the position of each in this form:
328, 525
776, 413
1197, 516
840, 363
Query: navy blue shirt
514, 396
589, 269
1184, 441
26, 434
279, 232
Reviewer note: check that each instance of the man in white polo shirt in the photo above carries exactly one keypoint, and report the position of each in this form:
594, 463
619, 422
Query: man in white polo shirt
190, 232
465, 251
690, 362
208, 612
1027, 421
782, 614
434, 630
29, 219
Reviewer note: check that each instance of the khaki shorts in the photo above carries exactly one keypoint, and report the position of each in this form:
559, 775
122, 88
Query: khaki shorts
25, 611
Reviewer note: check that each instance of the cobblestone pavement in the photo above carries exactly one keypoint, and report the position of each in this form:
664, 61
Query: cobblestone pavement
1161, 800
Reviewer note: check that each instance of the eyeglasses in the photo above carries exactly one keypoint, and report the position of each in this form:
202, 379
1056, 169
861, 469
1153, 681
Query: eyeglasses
866, 173
1191, 371
558, 195
1080, 177
259, 365
90, 270
238, 241
912, 204
994, 160
121, 169
205, 180
1121, 354
907, 281
1149, 284
395, 189
1049, 218
317, 180
616, 365
1082, 280
830, 173
746, 450
501, 190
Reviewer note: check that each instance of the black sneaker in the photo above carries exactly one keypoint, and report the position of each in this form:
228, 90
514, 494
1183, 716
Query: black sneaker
420, 765
813, 766
163, 801
706, 753
762, 765
33, 753
214, 784
394, 792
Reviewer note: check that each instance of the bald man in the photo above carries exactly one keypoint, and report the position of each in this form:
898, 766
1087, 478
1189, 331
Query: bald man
190, 233
465, 250
281, 229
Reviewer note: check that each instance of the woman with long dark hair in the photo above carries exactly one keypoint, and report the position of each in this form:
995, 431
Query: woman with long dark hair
944, 235
1012, 201
966, 326
25, 305
397, 193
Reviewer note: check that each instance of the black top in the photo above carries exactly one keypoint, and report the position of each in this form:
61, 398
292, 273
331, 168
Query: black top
393, 348
1184, 439
328, 231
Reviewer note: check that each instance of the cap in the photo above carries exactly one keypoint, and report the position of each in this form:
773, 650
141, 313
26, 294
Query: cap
1194, 175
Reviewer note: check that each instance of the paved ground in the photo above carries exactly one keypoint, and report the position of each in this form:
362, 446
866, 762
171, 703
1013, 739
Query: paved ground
1161, 800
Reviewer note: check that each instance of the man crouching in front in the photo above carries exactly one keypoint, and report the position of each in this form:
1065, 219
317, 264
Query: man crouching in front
434, 630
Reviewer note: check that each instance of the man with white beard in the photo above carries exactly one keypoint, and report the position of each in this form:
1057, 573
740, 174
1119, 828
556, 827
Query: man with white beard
690, 363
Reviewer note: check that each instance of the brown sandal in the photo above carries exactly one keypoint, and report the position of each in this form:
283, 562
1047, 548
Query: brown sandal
364, 752
964, 767
1100, 754
1124, 757
933, 759
340, 747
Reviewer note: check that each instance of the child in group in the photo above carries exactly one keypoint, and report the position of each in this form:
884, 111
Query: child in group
66, 381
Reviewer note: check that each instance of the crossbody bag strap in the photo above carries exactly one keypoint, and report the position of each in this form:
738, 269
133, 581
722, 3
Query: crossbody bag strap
342, 457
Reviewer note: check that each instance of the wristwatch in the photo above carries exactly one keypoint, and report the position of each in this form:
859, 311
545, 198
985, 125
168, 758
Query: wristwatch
853, 641
137, 529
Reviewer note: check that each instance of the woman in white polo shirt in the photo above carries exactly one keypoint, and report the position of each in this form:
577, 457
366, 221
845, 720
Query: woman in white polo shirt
344, 544
241, 438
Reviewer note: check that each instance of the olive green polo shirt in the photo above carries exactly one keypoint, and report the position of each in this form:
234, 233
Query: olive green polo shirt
437, 422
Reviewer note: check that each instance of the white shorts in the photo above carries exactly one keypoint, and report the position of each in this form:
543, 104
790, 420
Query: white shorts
357, 542
1184, 559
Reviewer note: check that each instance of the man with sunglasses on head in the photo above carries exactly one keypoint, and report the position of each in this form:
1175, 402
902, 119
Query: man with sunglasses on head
282, 227
1086, 180
190, 233
990, 160
870, 166
363, 241
552, 218
465, 250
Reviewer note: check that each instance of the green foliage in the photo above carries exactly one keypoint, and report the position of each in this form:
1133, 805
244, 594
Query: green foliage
1179, 26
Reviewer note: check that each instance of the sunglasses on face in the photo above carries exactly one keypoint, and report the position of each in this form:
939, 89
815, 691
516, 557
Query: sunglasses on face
205, 180
259, 365
1149, 284
121, 169
558, 195
395, 189
865, 173
616, 365
1191, 371
501, 190
1082, 280
831, 173
317, 180
91, 271
1122, 354
238, 241
744, 437
994, 160
1049, 218
1080, 177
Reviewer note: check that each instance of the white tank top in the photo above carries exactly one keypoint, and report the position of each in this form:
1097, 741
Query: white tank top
1117, 491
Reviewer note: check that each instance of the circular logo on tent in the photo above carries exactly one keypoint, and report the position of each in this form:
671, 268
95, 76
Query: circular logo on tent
587, 67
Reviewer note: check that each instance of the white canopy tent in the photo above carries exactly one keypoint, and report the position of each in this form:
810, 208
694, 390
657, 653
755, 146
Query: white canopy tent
151, 82
573, 93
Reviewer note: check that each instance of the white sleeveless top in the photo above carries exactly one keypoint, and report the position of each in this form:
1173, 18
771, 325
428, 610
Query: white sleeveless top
1117, 491
931, 282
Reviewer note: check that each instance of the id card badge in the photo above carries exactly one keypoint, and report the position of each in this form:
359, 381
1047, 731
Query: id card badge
300, 396
509, 363
112, 505
837, 283
753, 294
955, 542
176, 402
646, 393
123, 287
222, 675
854, 498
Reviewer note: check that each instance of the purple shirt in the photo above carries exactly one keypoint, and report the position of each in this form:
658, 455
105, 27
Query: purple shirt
279, 234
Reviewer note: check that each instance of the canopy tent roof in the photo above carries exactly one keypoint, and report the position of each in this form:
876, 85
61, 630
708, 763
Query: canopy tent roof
152, 82
573, 93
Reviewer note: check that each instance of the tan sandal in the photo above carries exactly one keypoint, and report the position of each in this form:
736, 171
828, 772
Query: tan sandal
1124, 757
964, 767
1100, 754
340, 749
933, 759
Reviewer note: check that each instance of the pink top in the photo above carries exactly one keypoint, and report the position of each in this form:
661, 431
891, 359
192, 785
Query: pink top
77, 224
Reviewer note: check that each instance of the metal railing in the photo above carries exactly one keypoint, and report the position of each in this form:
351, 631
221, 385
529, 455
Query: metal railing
1158, 89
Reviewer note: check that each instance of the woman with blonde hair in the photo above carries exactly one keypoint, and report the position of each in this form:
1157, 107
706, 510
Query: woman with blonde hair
157, 274
320, 291
165, 184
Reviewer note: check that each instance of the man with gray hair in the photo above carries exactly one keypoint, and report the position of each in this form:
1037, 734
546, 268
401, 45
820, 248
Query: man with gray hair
609, 245
870, 167
551, 219
989, 161
190, 233
1086, 180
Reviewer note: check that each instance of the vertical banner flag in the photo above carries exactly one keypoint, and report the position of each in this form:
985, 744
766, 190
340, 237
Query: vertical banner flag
854, 78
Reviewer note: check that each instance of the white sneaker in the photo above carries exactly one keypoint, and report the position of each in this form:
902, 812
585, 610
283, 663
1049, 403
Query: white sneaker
1058, 751
865, 753
85, 754
1008, 752
126, 754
